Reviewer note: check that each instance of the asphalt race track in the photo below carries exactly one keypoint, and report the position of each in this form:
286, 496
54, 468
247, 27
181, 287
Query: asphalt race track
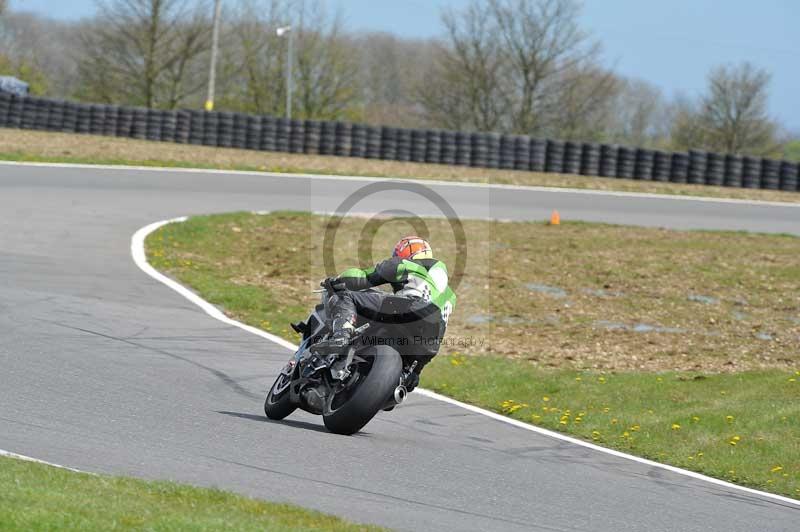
106, 370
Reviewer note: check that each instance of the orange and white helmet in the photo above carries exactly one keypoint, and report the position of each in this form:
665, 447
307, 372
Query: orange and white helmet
413, 247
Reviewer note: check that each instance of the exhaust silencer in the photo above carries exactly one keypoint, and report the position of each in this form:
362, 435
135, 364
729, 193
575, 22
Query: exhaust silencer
400, 394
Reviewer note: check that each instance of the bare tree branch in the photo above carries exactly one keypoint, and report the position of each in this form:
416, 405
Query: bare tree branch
146, 52
521, 66
732, 116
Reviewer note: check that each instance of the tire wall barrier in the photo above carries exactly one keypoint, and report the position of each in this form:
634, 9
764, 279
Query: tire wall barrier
432, 146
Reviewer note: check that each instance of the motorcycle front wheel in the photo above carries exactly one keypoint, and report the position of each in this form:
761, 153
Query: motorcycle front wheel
278, 406
348, 414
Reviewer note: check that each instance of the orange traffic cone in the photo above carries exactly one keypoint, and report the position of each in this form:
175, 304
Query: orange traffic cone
555, 218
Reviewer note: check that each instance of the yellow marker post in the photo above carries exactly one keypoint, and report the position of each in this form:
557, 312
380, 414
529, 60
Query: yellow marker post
209, 105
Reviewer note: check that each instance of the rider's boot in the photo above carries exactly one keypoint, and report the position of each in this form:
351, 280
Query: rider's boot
342, 334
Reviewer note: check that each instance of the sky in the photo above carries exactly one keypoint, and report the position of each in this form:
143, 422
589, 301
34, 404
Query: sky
670, 43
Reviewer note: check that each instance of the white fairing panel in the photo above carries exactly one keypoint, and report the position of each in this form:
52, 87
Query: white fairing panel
439, 276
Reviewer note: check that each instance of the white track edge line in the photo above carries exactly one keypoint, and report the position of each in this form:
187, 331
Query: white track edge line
140, 258
435, 182
9, 454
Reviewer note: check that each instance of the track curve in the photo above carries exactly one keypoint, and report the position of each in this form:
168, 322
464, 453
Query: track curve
106, 370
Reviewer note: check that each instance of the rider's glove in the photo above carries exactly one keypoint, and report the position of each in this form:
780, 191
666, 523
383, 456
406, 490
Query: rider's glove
333, 284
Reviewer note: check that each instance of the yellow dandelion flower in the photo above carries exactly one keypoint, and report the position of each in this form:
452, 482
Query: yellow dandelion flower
792, 379
699, 454
732, 443
578, 379
695, 419
606, 410
675, 426
626, 434
635, 428
776, 469
659, 379
614, 421
562, 422
729, 419
601, 380
536, 417
545, 399
736, 438
690, 457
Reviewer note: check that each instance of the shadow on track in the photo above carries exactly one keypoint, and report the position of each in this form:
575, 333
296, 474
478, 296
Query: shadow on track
287, 422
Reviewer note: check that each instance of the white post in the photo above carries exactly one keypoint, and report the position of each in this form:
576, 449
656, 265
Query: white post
212, 74
282, 31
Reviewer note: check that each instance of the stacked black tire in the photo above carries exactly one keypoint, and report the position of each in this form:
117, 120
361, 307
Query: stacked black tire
590, 159
626, 162
572, 158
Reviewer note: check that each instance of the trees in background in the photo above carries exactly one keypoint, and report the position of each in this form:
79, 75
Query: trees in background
516, 66
520, 66
145, 52
326, 70
253, 60
639, 115
731, 116
464, 87
391, 72
32, 48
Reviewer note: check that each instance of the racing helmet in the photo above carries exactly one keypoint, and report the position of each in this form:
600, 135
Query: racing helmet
412, 247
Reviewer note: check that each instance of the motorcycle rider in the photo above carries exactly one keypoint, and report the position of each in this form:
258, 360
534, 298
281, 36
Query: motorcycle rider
416, 277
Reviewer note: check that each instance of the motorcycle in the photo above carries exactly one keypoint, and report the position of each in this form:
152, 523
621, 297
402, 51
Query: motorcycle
347, 387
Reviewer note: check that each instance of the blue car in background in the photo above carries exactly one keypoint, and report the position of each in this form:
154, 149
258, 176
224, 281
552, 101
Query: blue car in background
13, 86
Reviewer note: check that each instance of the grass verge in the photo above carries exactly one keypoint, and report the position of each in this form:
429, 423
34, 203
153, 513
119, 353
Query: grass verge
39, 146
549, 326
39, 497
740, 427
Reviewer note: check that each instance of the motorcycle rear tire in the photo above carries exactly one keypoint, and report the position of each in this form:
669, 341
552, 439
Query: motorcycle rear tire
372, 393
279, 407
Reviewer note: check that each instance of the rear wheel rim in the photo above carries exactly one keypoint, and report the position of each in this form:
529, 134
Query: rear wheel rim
338, 400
